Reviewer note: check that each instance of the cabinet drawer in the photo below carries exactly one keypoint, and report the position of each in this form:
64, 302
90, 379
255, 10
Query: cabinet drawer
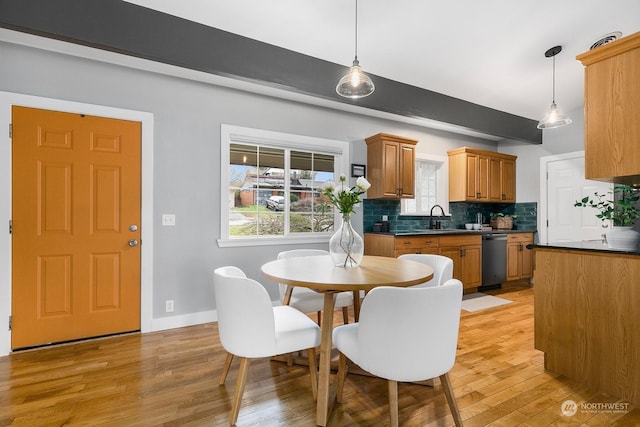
461, 240
416, 242
520, 238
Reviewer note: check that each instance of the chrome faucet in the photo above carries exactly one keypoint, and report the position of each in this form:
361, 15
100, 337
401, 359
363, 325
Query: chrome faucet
431, 226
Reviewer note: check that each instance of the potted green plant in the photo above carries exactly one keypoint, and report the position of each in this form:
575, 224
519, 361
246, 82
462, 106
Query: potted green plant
621, 210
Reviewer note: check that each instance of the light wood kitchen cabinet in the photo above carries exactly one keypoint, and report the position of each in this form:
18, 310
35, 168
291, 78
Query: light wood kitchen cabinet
391, 166
390, 246
466, 253
464, 250
612, 108
519, 258
477, 175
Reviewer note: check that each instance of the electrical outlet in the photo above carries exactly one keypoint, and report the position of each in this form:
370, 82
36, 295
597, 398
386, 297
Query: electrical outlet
168, 306
168, 220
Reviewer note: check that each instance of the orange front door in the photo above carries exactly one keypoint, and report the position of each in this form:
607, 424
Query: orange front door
76, 226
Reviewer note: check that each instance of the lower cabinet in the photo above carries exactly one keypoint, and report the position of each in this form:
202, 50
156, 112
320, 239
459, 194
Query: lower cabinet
464, 250
466, 253
519, 258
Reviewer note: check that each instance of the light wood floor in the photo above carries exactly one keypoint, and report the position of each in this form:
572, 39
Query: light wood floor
171, 378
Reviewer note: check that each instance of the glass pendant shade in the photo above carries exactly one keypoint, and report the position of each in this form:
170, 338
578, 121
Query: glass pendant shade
554, 118
355, 84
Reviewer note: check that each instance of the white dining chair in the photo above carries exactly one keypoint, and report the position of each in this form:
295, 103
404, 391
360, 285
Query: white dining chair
442, 267
404, 334
250, 327
306, 300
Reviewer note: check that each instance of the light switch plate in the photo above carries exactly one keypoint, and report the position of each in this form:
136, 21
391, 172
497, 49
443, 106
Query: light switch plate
168, 220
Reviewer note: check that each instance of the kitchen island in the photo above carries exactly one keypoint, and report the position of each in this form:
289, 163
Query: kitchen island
587, 315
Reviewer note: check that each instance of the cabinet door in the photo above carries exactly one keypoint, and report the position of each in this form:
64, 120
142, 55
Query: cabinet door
471, 266
473, 191
611, 107
454, 254
391, 171
514, 261
495, 180
508, 180
483, 178
406, 171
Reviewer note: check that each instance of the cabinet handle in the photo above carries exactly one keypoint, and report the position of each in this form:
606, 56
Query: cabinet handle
406, 243
504, 197
463, 252
478, 195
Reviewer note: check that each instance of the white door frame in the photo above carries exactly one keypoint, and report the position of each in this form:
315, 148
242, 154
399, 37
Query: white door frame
7, 99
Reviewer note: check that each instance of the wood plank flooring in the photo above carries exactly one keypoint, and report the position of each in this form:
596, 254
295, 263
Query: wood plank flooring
170, 378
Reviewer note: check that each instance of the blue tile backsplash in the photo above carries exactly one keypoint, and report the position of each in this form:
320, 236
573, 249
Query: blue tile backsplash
461, 213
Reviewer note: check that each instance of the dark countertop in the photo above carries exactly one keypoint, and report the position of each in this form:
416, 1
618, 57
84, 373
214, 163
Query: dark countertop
448, 232
587, 246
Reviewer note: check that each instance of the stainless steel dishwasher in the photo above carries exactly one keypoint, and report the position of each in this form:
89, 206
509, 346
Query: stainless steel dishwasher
494, 259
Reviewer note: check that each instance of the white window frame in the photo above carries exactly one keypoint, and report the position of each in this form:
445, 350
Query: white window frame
236, 134
442, 185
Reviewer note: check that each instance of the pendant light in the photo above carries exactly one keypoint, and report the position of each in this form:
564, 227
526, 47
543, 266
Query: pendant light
554, 118
355, 84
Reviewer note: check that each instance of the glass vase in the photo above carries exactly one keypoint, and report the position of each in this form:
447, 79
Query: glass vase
346, 246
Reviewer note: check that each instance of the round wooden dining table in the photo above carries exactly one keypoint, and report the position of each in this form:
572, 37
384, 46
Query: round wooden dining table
320, 274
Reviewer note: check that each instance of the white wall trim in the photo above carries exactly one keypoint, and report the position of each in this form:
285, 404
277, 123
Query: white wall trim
7, 99
542, 210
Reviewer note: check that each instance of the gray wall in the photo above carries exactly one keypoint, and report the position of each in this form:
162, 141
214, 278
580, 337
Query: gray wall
187, 119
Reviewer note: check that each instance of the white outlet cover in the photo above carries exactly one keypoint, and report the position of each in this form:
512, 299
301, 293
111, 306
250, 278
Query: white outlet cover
168, 220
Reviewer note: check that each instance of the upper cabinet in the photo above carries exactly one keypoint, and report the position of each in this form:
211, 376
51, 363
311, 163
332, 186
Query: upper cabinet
391, 166
477, 175
612, 109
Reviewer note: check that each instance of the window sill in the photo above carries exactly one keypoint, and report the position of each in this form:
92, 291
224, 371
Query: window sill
272, 241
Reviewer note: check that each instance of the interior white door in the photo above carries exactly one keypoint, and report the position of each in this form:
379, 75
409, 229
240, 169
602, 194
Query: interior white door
565, 185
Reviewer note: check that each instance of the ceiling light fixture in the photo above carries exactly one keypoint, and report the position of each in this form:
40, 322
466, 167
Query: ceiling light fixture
355, 84
554, 118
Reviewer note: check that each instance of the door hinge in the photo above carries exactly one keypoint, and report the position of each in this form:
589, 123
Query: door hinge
10, 322
10, 130
10, 226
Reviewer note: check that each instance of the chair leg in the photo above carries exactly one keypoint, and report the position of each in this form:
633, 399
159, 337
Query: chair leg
313, 371
225, 369
239, 391
451, 399
342, 373
345, 315
393, 402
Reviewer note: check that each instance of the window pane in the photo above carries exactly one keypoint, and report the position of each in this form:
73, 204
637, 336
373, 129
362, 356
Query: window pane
256, 190
426, 188
309, 211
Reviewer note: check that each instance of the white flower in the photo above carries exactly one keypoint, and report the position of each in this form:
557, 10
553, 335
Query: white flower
328, 186
362, 183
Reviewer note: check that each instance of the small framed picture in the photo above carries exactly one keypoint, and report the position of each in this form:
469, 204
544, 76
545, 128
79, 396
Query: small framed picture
358, 170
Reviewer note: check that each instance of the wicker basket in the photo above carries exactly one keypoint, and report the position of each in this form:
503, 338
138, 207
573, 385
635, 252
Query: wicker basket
502, 223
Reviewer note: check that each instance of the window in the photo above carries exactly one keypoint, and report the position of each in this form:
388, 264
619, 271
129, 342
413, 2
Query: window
431, 186
270, 186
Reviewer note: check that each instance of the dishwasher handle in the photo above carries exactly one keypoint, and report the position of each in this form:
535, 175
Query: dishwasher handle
494, 236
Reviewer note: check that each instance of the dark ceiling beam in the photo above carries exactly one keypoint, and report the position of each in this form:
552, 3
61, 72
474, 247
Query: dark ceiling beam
121, 27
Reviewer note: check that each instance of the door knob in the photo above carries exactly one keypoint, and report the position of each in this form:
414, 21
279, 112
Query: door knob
133, 242
133, 227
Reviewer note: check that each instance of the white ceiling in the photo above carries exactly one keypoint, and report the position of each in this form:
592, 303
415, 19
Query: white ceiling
489, 52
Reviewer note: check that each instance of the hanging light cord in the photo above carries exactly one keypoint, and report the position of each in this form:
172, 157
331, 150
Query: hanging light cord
553, 85
356, 38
